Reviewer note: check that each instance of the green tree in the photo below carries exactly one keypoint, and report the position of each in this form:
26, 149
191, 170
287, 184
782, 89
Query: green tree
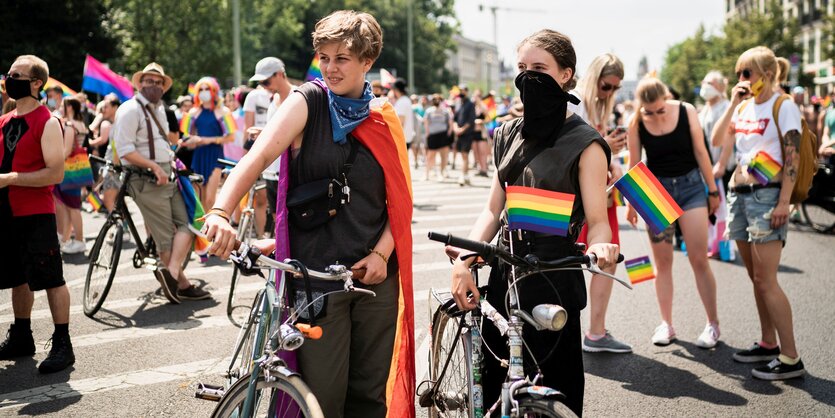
60, 32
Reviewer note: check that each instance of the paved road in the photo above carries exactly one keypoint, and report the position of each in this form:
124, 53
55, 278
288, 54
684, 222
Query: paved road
143, 357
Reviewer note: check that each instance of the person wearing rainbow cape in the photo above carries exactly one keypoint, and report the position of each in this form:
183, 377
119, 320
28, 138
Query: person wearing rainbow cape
363, 366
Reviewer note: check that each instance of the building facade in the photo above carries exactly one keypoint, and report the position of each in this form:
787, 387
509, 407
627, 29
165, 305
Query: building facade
476, 63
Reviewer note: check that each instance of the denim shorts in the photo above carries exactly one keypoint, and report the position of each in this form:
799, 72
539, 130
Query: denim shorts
688, 190
749, 217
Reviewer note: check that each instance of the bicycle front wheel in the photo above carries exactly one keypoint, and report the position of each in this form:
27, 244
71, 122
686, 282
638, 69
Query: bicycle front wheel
819, 218
284, 397
104, 257
544, 408
453, 397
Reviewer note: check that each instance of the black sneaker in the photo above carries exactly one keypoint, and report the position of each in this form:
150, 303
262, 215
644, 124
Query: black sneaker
757, 353
193, 293
60, 356
168, 284
777, 370
18, 343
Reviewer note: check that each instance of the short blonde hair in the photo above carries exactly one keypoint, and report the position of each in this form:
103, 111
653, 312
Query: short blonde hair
359, 31
39, 69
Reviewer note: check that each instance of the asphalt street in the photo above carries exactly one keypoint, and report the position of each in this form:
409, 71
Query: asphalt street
141, 356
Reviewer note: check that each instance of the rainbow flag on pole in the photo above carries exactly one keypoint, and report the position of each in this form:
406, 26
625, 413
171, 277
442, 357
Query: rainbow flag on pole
763, 167
639, 269
539, 210
51, 82
102, 80
94, 200
313, 72
186, 123
646, 194
192, 90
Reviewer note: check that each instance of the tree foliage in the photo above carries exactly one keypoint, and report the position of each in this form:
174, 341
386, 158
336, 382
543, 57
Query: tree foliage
687, 62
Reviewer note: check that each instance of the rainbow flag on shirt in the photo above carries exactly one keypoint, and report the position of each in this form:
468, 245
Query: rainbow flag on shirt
763, 167
639, 269
313, 72
646, 194
539, 210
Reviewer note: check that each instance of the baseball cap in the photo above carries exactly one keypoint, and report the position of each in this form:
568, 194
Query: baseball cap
266, 68
798, 90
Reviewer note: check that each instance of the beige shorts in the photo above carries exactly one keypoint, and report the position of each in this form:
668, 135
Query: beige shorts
162, 208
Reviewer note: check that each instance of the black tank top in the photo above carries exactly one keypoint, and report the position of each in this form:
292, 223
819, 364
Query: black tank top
358, 225
670, 155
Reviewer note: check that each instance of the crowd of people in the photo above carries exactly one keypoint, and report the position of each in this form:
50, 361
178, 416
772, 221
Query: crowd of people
563, 133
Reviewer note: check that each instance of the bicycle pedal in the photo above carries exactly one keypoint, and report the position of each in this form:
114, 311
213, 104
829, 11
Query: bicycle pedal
209, 392
150, 263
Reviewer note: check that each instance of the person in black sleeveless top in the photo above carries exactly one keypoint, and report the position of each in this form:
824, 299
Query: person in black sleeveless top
349, 367
669, 132
577, 164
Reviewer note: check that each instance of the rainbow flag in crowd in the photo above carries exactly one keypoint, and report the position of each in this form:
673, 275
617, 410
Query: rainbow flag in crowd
51, 82
186, 123
490, 105
646, 194
102, 80
639, 269
227, 124
313, 72
192, 90
763, 167
539, 210
94, 200
194, 209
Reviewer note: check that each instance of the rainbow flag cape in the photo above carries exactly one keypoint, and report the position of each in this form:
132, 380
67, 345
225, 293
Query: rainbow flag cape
763, 167
51, 82
639, 269
94, 200
195, 212
539, 210
313, 72
102, 80
646, 194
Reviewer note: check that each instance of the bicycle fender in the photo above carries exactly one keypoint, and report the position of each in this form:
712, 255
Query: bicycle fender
538, 392
284, 371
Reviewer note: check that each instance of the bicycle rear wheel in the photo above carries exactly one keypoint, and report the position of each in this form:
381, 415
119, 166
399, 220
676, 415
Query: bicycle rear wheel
819, 218
104, 258
544, 408
243, 236
284, 397
453, 397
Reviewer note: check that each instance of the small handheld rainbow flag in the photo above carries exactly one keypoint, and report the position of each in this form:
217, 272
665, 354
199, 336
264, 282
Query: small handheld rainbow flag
227, 124
187, 124
763, 167
313, 72
192, 90
646, 194
94, 200
617, 198
639, 269
539, 210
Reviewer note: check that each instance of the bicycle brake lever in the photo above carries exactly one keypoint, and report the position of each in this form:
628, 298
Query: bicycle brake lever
594, 269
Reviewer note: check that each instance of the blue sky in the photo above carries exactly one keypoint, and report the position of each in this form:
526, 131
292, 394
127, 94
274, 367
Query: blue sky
627, 28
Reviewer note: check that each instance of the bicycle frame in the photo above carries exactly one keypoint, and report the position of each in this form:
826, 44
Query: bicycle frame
121, 213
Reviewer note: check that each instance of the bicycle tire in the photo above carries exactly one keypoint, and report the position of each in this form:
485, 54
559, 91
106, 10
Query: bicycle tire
457, 379
293, 386
544, 408
819, 218
243, 236
104, 258
245, 346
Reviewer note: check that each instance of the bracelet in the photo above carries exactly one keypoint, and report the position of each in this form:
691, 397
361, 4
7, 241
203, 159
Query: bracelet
218, 212
386, 259
713, 193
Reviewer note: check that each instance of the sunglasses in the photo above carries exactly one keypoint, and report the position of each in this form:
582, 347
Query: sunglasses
607, 87
660, 111
743, 73
18, 76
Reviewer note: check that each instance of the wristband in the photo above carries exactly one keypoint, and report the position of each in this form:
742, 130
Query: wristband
386, 259
218, 212
714, 193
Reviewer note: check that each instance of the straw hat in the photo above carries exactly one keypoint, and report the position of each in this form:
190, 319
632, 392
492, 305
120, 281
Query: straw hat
155, 69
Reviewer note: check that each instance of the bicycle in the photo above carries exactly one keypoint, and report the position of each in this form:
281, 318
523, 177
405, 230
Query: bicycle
456, 339
819, 208
260, 383
246, 229
105, 253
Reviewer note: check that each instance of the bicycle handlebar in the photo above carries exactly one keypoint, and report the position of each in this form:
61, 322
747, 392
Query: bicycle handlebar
232, 164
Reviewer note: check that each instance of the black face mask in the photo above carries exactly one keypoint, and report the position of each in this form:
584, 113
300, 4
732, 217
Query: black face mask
19, 88
545, 105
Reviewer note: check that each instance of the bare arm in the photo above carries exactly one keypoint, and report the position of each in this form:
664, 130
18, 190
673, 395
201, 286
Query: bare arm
69, 140
249, 120
593, 169
104, 134
791, 161
702, 156
52, 150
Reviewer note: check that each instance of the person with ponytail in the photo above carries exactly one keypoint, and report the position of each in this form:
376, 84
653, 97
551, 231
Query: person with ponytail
759, 210
670, 133
552, 149
596, 91
210, 125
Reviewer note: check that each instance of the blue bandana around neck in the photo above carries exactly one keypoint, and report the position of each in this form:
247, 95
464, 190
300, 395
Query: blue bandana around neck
346, 113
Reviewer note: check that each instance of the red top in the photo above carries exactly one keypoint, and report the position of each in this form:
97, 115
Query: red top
27, 158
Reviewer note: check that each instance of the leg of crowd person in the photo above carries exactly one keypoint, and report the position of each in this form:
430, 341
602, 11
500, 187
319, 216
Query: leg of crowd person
662, 252
481, 152
260, 206
77, 223
444, 152
430, 163
210, 189
63, 221
600, 290
694, 230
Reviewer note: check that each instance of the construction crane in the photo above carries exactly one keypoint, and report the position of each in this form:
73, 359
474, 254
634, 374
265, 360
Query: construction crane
493, 9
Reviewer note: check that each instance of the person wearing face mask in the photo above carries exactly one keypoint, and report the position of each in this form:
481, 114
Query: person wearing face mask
209, 124
55, 101
552, 149
31, 162
140, 135
716, 102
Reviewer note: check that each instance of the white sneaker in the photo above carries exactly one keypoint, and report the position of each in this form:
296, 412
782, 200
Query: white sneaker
664, 334
709, 337
73, 247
